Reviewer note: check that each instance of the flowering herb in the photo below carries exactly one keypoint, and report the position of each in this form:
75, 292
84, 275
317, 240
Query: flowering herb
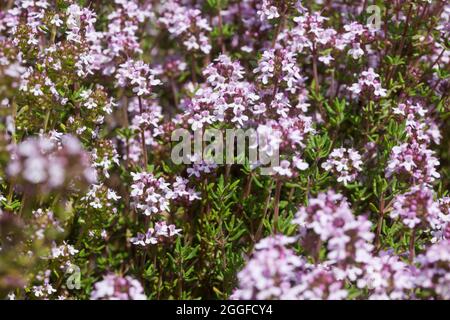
352, 107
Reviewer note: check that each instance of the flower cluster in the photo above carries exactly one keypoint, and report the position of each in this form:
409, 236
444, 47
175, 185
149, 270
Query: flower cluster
320, 283
418, 127
345, 163
332, 120
268, 10
187, 25
155, 235
43, 165
329, 221
121, 36
45, 289
442, 231
46, 222
413, 161
276, 272
271, 273
368, 83
387, 277
151, 195
114, 287
417, 207
280, 65
227, 98
137, 75
433, 276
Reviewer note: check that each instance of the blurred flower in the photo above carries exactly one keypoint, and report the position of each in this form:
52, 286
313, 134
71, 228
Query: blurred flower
45, 165
270, 273
114, 287
433, 275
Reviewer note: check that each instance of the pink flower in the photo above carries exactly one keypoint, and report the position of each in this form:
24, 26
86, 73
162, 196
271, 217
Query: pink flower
345, 163
114, 287
138, 75
414, 161
46, 165
368, 82
417, 207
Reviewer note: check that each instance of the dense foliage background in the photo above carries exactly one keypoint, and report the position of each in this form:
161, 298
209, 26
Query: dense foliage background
355, 93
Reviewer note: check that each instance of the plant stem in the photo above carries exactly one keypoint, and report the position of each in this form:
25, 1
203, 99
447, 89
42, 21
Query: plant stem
316, 81
248, 186
174, 92
315, 72
180, 278
144, 145
227, 172
379, 224
317, 251
280, 26
405, 30
276, 206
47, 118
23, 204
412, 245
160, 279
364, 6
220, 26
13, 118
402, 44
266, 208
194, 69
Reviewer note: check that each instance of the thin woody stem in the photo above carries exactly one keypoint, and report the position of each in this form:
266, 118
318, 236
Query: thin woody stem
315, 72
220, 26
266, 208
276, 206
412, 245
144, 145
280, 26
248, 186
379, 224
